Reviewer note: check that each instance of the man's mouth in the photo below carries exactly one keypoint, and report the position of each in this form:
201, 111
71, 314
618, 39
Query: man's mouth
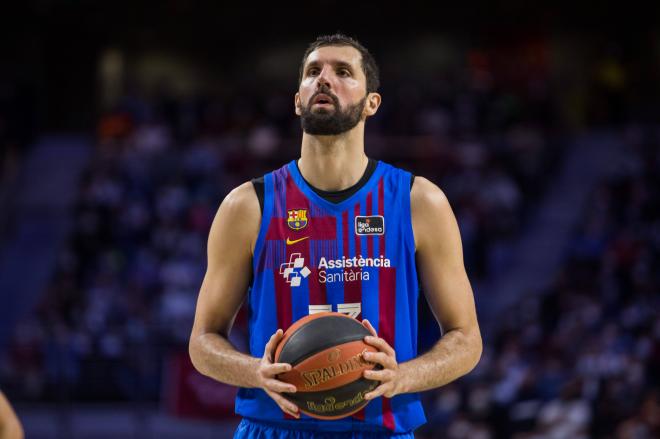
322, 99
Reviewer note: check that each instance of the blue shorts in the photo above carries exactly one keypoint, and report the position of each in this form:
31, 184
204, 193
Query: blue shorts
253, 429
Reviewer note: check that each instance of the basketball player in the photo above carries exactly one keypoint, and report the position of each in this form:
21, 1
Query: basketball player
313, 216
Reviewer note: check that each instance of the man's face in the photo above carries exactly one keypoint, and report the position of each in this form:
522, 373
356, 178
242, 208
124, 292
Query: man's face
331, 96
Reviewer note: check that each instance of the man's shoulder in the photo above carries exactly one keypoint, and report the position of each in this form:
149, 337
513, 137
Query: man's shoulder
237, 220
431, 213
427, 195
241, 200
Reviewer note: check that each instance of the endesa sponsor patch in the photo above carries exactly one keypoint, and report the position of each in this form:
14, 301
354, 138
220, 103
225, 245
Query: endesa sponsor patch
369, 225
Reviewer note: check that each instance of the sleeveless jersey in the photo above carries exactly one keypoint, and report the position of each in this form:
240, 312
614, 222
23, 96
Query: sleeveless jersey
355, 257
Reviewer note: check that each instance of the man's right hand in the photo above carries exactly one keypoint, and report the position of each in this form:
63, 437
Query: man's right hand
267, 371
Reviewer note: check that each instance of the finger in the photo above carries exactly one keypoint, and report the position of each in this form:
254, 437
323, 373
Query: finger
378, 391
380, 343
379, 375
286, 405
279, 386
276, 368
289, 411
270, 346
381, 358
367, 324
274, 338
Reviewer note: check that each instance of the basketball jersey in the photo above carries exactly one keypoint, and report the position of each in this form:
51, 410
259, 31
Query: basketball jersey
355, 257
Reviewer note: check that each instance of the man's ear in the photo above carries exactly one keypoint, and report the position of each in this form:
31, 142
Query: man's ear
372, 104
297, 104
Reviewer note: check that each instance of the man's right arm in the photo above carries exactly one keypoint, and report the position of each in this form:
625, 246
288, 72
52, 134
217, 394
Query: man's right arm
230, 246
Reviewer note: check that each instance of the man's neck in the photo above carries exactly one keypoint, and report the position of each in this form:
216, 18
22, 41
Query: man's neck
333, 163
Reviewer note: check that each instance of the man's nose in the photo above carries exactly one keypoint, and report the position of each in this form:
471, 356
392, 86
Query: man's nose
323, 79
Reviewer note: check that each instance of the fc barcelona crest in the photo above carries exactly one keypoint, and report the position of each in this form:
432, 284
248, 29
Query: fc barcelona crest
297, 219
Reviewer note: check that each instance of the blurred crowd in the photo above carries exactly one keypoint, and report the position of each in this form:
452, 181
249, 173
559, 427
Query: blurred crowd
123, 292
583, 359
17, 125
18, 120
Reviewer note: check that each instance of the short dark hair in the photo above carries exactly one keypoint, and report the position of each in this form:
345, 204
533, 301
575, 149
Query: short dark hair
369, 66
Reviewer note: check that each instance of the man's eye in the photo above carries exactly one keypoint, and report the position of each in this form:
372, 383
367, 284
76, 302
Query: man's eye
344, 72
312, 71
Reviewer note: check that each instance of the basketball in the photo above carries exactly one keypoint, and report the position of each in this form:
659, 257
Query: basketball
325, 351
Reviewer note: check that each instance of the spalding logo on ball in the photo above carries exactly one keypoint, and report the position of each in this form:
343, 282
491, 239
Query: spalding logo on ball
326, 351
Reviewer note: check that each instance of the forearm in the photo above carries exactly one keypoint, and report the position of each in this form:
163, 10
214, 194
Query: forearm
11, 430
10, 426
214, 356
453, 356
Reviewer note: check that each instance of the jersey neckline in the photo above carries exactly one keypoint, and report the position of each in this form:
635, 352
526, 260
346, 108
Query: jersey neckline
344, 193
328, 205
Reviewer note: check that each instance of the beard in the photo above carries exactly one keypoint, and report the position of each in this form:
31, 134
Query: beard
322, 122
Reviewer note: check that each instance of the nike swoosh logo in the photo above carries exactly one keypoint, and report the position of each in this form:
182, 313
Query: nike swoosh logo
289, 241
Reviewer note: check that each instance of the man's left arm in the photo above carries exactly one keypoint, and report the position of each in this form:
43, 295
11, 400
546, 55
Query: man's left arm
450, 297
10, 425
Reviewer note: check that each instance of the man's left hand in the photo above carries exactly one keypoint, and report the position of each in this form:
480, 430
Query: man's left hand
391, 377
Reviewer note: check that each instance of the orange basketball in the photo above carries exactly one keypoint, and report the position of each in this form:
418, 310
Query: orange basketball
326, 351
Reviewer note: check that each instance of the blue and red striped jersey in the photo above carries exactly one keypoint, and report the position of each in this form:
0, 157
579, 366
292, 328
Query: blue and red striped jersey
356, 257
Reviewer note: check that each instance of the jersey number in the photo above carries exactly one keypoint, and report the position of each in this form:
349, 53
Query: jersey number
352, 309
